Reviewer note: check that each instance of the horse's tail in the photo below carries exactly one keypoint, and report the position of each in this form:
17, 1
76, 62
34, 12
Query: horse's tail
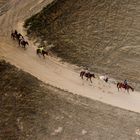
82, 73
118, 85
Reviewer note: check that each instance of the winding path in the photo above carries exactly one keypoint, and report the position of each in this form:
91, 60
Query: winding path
51, 70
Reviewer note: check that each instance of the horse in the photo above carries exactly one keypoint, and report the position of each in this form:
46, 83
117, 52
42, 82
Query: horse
23, 43
16, 36
38, 51
19, 38
13, 36
104, 78
87, 75
126, 87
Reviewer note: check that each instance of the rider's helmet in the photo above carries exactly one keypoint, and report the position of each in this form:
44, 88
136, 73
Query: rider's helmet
86, 70
125, 81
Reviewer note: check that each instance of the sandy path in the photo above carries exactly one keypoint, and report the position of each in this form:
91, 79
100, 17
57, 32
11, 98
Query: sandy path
50, 70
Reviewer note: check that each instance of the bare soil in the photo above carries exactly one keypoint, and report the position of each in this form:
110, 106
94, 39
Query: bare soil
32, 110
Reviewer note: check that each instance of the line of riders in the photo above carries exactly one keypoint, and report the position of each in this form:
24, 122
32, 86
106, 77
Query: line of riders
22, 43
120, 85
85, 73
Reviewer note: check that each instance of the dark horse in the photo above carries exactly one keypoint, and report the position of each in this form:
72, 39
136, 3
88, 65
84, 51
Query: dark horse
13, 36
87, 75
23, 43
16, 36
42, 53
126, 87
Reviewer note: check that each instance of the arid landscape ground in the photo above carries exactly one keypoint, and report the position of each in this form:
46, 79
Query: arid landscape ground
45, 99
32, 110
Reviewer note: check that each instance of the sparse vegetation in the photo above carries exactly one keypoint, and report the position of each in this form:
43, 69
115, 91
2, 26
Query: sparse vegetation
32, 110
97, 34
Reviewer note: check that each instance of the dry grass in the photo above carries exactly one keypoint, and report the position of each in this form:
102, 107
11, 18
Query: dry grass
97, 34
31, 110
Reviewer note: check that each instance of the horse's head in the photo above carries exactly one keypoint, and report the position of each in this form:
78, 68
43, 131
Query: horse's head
92, 75
128, 86
131, 88
27, 43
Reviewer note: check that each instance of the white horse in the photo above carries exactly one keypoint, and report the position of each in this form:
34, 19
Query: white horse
104, 78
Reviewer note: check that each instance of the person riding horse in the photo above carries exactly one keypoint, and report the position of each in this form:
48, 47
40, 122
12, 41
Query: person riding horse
23, 43
14, 34
125, 82
124, 85
19, 37
41, 50
87, 74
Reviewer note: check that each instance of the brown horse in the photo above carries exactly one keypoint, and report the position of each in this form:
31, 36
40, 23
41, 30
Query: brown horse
126, 87
13, 36
23, 43
17, 36
42, 53
87, 75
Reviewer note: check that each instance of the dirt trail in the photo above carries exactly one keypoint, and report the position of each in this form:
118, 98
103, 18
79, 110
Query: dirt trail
51, 70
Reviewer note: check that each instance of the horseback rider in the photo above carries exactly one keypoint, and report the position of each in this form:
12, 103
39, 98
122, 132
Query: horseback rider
87, 73
86, 70
41, 49
125, 82
20, 38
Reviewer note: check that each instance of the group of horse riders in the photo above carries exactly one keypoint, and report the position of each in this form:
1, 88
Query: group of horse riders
21, 41
18, 36
41, 50
120, 85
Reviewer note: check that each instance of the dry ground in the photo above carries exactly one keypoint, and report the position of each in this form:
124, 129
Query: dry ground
31, 110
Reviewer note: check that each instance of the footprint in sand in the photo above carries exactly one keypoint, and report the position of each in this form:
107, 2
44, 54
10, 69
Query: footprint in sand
109, 92
99, 88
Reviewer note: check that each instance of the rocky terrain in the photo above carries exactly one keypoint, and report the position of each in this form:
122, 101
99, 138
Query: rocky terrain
101, 35
32, 110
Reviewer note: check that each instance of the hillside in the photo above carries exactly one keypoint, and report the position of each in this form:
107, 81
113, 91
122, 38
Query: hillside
101, 35
4, 6
45, 99
32, 110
